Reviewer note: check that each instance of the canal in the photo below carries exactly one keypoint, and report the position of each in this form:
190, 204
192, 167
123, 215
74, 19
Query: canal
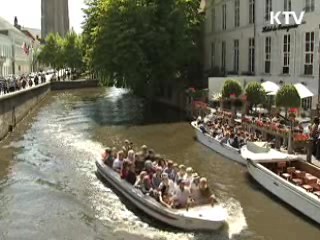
49, 190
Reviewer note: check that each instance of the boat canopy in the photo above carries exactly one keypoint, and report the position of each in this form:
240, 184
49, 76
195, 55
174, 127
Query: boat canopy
261, 152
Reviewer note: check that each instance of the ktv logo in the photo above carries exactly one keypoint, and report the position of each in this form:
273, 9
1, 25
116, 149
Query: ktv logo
274, 17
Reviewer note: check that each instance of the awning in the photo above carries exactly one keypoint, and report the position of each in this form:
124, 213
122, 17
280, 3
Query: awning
303, 91
270, 87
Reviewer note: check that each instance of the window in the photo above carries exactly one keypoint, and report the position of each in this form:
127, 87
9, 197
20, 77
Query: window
251, 11
251, 55
309, 6
287, 5
236, 56
286, 53
212, 55
267, 62
306, 103
309, 52
237, 13
213, 19
223, 56
224, 17
268, 9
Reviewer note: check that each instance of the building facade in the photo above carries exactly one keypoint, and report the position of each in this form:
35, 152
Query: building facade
54, 17
5, 55
16, 60
241, 41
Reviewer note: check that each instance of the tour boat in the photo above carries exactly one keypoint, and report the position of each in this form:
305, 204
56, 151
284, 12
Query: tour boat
293, 180
200, 218
224, 149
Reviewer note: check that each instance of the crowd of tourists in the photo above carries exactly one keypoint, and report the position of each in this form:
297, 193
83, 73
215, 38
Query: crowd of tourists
173, 185
16, 83
220, 129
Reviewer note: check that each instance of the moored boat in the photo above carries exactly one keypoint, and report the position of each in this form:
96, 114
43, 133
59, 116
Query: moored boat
224, 149
205, 217
294, 181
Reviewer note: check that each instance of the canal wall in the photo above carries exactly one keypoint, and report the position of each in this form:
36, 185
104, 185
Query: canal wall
77, 84
15, 106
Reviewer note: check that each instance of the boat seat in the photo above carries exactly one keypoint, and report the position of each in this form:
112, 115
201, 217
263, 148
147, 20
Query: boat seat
310, 179
297, 181
317, 193
307, 187
286, 176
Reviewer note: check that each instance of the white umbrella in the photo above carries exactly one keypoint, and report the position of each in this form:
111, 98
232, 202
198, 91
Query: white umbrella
303, 91
270, 87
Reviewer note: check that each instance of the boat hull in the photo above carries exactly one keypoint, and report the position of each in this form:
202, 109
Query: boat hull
223, 149
154, 209
307, 203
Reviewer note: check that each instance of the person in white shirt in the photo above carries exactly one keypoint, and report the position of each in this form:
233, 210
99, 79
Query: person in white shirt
181, 196
188, 177
117, 163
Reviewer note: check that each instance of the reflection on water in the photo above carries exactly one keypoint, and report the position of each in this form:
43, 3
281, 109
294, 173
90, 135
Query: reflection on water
49, 190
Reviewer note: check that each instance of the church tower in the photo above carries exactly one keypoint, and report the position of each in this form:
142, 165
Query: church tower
54, 17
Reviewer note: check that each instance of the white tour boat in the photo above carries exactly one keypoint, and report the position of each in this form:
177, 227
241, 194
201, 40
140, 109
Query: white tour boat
205, 217
224, 149
293, 180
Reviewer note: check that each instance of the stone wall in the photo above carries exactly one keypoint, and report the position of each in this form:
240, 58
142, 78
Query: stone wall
74, 84
15, 106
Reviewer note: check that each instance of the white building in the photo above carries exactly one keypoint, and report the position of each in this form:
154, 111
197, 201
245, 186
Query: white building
239, 40
5, 55
20, 61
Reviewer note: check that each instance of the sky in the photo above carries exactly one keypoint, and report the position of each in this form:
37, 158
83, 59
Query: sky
29, 12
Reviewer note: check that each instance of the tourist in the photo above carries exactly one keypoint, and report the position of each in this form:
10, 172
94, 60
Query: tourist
126, 147
174, 173
139, 180
165, 190
131, 176
150, 155
117, 163
166, 186
114, 153
131, 156
139, 163
314, 134
125, 169
181, 195
156, 177
181, 173
205, 196
144, 151
169, 170
146, 186
233, 141
160, 161
107, 157
188, 177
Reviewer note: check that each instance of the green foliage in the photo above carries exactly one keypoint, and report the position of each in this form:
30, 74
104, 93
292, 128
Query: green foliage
62, 52
141, 44
288, 97
231, 87
255, 93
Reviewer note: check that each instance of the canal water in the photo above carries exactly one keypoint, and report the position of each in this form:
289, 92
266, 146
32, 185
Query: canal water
49, 190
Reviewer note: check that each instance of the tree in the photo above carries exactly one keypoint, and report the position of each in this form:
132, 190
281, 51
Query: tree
72, 51
255, 93
51, 52
142, 44
231, 87
288, 97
